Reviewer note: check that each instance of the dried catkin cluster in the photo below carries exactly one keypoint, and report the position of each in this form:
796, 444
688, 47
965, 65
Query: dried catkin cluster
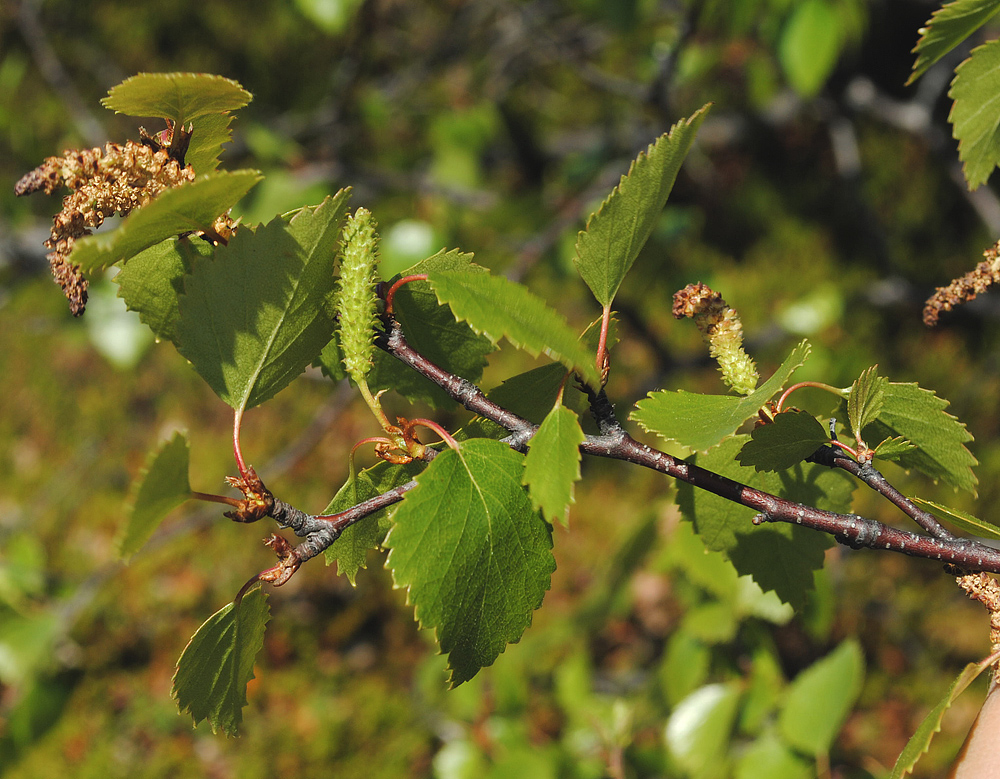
966, 288
102, 182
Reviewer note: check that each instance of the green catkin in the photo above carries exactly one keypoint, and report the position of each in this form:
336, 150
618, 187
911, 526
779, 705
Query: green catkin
355, 299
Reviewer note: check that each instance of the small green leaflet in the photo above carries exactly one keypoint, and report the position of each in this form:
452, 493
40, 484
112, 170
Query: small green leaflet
961, 519
496, 308
779, 556
208, 135
474, 555
699, 422
820, 698
252, 319
975, 117
179, 97
619, 229
151, 282
350, 551
789, 439
700, 728
949, 26
865, 400
918, 415
187, 208
552, 465
217, 664
893, 448
920, 742
160, 488
431, 329
809, 45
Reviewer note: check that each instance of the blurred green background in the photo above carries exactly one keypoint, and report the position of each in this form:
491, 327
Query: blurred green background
823, 200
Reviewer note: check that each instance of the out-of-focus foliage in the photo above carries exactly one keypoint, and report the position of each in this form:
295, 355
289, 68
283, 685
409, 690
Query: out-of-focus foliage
820, 199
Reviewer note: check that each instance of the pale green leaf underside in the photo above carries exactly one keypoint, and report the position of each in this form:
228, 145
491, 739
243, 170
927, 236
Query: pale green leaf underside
961, 519
474, 555
921, 740
179, 97
498, 308
552, 465
160, 488
949, 26
188, 208
619, 229
699, 422
253, 318
975, 116
217, 664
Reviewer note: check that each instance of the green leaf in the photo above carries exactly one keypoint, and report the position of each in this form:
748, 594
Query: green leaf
252, 319
949, 26
918, 415
699, 730
350, 551
179, 97
160, 488
961, 519
619, 229
789, 439
431, 329
779, 556
473, 554
920, 742
217, 664
975, 116
893, 448
809, 46
152, 281
496, 308
209, 134
820, 698
552, 465
699, 422
864, 403
769, 758
188, 208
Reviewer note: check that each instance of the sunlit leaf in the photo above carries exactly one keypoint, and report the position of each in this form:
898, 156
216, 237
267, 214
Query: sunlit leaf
217, 664
961, 519
789, 439
179, 97
809, 45
820, 698
864, 403
769, 758
893, 448
552, 465
699, 422
699, 729
253, 318
949, 26
475, 557
975, 116
209, 133
160, 488
619, 229
498, 308
188, 208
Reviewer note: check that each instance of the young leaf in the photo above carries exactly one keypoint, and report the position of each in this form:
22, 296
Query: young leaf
920, 742
209, 133
974, 116
431, 329
350, 551
152, 281
495, 307
217, 664
961, 519
160, 488
789, 439
474, 555
893, 448
552, 464
820, 698
179, 97
698, 731
918, 415
949, 26
865, 400
252, 319
809, 46
620, 228
699, 422
187, 208
779, 556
